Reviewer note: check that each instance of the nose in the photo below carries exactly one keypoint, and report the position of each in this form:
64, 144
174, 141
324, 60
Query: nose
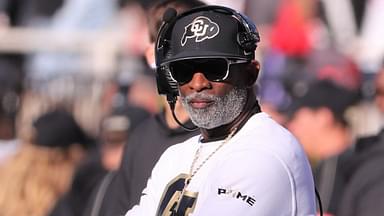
199, 82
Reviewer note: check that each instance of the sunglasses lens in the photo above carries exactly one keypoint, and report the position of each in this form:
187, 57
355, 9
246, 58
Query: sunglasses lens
213, 69
182, 71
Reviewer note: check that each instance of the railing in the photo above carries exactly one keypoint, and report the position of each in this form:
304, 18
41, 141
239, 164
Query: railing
98, 48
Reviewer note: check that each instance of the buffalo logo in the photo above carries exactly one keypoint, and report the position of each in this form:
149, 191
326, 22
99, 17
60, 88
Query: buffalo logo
201, 28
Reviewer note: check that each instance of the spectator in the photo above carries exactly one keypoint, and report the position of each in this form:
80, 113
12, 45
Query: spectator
41, 171
318, 120
99, 166
363, 173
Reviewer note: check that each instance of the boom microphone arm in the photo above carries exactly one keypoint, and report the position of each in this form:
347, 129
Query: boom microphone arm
172, 104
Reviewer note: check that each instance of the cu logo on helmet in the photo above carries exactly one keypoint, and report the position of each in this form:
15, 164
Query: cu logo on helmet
201, 28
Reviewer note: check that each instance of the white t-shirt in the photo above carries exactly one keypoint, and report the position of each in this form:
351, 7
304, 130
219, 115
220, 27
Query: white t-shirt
262, 170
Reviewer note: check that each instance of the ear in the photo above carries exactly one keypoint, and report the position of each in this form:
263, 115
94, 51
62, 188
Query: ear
253, 72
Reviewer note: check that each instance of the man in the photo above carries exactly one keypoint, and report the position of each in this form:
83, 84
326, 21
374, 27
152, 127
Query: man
363, 171
325, 103
243, 163
318, 120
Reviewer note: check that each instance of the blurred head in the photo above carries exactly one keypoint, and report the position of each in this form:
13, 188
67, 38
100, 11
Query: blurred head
59, 129
211, 77
115, 130
318, 120
41, 171
285, 78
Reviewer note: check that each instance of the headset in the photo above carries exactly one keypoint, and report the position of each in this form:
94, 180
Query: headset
246, 39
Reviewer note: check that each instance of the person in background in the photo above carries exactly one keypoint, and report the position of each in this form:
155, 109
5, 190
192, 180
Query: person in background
363, 171
318, 119
102, 162
243, 162
322, 110
115, 131
34, 178
150, 139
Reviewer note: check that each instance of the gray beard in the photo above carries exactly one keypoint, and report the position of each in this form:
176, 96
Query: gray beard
223, 111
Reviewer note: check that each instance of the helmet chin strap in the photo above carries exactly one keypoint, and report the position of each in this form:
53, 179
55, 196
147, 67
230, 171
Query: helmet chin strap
172, 104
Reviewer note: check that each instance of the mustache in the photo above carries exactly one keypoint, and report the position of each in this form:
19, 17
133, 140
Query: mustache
200, 96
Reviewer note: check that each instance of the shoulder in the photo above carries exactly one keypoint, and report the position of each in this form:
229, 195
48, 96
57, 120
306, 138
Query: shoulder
264, 136
263, 146
186, 146
266, 151
263, 126
176, 157
364, 179
364, 190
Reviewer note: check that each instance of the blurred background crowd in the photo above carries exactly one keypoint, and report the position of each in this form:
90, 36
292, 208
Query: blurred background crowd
74, 83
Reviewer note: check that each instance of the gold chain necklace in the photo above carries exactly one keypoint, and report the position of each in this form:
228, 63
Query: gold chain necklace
192, 171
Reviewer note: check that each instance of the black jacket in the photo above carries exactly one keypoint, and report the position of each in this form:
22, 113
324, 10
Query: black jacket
330, 181
86, 178
364, 190
144, 147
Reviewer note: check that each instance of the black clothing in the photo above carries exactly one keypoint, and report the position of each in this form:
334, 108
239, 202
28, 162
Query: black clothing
87, 177
330, 180
339, 178
91, 173
58, 128
364, 190
145, 146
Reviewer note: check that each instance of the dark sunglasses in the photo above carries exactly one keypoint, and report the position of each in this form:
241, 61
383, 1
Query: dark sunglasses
214, 69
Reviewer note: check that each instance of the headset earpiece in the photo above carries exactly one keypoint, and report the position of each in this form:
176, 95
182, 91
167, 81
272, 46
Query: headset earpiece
165, 84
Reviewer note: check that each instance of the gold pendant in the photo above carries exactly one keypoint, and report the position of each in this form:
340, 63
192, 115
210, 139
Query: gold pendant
186, 183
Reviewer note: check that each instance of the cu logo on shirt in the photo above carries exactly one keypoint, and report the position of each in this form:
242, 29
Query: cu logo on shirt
201, 28
172, 204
